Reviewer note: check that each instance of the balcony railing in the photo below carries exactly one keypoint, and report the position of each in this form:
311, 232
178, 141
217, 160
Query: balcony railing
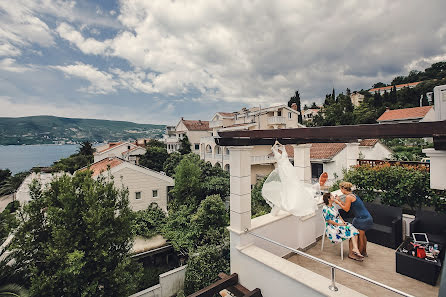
276, 120
215, 124
172, 140
262, 159
226, 157
332, 266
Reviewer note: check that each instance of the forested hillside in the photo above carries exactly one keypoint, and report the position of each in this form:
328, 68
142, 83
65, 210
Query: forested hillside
50, 129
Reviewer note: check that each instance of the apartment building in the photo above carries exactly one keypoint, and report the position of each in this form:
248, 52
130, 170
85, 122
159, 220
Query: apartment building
194, 130
256, 118
128, 151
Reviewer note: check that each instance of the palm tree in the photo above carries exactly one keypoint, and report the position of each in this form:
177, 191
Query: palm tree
7, 273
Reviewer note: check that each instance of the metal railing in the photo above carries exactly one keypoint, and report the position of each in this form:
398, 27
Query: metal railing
332, 266
276, 120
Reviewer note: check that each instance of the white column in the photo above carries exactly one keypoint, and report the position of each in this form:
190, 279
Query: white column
302, 161
240, 188
352, 154
437, 168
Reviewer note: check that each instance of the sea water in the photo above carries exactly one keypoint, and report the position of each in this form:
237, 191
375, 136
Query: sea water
19, 158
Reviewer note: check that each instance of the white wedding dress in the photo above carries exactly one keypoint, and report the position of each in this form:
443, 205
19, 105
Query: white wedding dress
283, 190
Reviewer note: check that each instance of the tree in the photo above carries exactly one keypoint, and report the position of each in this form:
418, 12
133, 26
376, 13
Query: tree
259, 207
188, 183
149, 222
379, 85
314, 106
86, 149
155, 142
185, 146
74, 239
333, 95
154, 158
9, 275
296, 99
171, 163
11, 183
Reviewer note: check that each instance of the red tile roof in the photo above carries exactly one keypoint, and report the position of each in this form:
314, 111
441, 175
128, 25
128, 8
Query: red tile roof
398, 86
103, 165
368, 142
320, 151
403, 114
132, 149
196, 125
110, 145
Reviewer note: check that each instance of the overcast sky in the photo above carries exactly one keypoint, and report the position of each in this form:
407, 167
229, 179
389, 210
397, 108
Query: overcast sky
153, 61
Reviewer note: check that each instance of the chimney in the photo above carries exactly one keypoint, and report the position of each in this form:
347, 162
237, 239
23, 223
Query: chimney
387, 109
199, 121
294, 106
182, 118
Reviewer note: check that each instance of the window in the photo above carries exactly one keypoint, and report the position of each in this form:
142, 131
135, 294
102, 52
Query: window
197, 146
154, 193
137, 195
290, 115
316, 170
279, 113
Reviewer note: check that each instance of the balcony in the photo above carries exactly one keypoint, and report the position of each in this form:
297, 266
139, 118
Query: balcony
275, 120
215, 124
172, 140
262, 159
208, 156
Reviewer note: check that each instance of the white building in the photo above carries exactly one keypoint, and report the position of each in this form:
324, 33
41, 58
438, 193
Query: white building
194, 130
408, 115
387, 89
144, 185
275, 117
309, 114
356, 98
126, 150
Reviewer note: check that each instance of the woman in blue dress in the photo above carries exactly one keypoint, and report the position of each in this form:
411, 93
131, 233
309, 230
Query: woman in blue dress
363, 221
337, 230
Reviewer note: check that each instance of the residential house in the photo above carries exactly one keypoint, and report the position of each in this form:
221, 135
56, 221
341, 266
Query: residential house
333, 158
408, 115
144, 185
127, 150
387, 89
356, 98
256, 118
309, 114
194, 130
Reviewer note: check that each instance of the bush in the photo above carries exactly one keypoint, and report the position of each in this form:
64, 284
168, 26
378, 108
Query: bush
259, 207
149, 222
396, 185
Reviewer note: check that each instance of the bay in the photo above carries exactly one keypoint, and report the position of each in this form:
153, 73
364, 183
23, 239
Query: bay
19, 158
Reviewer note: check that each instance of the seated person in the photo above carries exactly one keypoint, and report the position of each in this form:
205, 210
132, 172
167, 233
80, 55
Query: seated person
337, 230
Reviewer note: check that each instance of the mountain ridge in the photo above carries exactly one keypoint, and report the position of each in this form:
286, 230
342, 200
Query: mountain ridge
44, 129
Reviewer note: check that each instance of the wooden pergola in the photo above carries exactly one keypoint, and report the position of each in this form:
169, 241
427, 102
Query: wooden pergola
352, 133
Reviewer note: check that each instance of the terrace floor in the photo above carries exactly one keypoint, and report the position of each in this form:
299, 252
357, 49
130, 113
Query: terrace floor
379, 266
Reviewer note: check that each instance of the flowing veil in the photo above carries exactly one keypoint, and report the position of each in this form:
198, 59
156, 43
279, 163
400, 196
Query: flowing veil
283, 190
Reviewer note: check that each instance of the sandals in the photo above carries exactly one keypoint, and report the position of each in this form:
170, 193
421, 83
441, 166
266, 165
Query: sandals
359, 255
356, 259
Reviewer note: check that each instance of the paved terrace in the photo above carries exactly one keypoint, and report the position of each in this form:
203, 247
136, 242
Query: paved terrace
379, 266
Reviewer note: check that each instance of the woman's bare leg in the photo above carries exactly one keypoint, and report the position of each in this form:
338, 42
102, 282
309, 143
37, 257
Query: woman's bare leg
361, 241
364, 251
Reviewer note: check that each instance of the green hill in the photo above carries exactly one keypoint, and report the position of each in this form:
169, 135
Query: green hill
50, 129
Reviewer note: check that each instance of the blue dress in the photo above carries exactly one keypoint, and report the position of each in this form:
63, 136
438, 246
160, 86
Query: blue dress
337, 233
363, 220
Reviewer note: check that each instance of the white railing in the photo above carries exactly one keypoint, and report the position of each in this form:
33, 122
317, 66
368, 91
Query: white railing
262, 159
226, 157
218, 157
215, 124
276, 120
172, 140
332, 266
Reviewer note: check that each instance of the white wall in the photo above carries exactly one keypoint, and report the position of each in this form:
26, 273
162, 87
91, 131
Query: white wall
114, 152
137, 181
376, 152
170, 283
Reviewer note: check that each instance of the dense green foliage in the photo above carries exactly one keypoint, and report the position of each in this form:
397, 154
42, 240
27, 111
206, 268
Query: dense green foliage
8, 220
203, 267
82, 158
402, 186
407, 149
9, 275
296, 99
148, 222
10, 183
185, 146
171, 163
29, 130
259, 207
74, 239
154, 158
338, 110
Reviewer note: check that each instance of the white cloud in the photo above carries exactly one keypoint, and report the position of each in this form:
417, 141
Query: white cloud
88, 46
10, 65
100, 82
7, 49
421, 64
258, 52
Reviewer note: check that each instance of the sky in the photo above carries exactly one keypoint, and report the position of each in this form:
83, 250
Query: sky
156, 61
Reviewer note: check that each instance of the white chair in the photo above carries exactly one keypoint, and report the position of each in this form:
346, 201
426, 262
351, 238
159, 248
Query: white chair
342, 244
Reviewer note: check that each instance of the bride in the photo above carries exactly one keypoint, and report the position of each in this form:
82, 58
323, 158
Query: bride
283, 190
